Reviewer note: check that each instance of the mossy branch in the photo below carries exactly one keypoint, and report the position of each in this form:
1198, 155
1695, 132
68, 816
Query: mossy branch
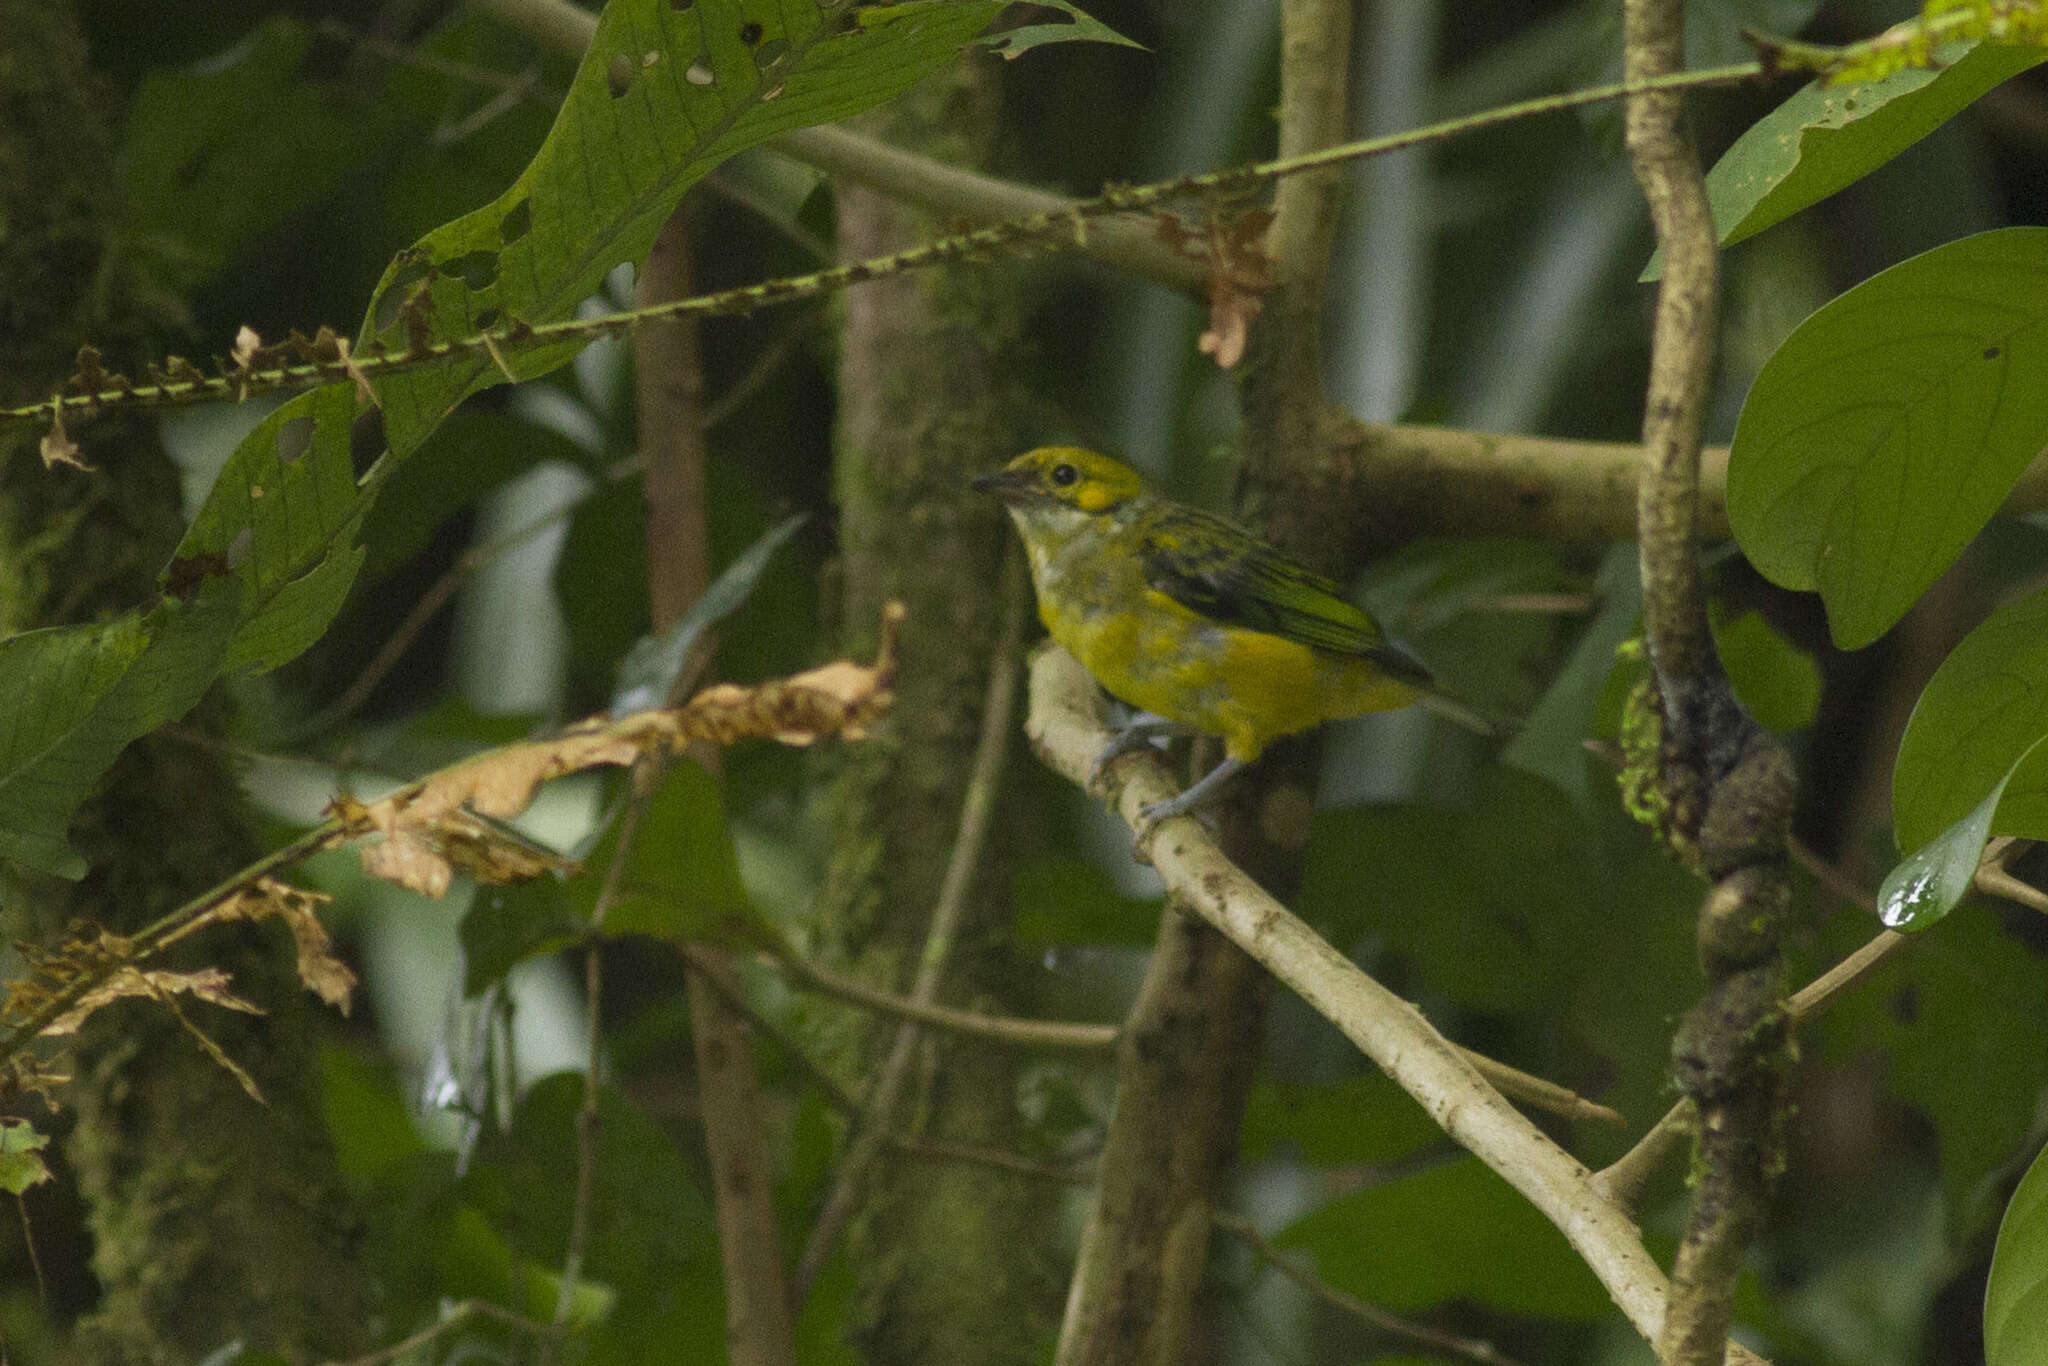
1720, 787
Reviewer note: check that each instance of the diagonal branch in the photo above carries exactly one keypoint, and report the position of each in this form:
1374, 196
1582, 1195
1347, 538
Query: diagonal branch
1066, 729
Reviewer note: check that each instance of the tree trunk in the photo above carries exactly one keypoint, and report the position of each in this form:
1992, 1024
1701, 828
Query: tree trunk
924, 405
213, 1218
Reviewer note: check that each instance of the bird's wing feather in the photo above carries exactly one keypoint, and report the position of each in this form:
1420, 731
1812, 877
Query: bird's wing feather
1209, 566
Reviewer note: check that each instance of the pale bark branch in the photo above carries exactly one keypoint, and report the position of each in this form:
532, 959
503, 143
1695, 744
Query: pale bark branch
1065, 726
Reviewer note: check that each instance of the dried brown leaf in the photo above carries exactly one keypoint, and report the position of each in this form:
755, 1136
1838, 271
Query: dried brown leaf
325, 975
57, 447
24, 1074
445, 822
208, 984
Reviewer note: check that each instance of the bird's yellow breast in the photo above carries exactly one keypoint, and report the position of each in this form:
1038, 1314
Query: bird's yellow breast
1248, 687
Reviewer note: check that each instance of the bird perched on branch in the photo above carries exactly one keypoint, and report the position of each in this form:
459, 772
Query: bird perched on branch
1197, 623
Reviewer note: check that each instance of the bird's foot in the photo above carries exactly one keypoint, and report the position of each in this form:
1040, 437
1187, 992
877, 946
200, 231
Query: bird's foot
1137, 734
1203, 792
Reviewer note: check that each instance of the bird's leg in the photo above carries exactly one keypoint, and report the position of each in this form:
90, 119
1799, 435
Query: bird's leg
1138, 733
1211, 783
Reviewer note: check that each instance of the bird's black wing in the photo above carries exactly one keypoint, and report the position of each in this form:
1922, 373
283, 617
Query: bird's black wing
1209, 566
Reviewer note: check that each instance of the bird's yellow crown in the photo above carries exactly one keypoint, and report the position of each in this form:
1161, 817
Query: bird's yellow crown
1082, 479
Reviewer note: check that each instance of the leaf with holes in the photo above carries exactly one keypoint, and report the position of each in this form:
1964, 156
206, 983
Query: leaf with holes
71, 698
663, 94
1827, 137
1985, 707
282, 519
1883, 434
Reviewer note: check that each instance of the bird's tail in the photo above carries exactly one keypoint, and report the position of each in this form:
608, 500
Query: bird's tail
1466, 715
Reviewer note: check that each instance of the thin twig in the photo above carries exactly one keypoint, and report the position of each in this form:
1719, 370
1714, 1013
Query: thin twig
807, 975
1471, 1349
1064, 229
645, 775
945, 1150
1995, 876
453, 1317
970, 842
1625, 1180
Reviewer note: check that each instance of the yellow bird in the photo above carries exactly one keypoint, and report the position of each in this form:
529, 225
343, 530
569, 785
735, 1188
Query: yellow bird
1195, 622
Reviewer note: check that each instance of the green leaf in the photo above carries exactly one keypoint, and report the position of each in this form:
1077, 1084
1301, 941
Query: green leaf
1883, 434
663, 94
1454, 1232
1985, 707
1552, 743
1775, 681
21, 1158
1827, 137
368, 1121
1072, 26
1523, 877
1932, 880
652, 1236
682, 880
72, 698
653, 664
282, 518
504, 926
1959, 1020
2016, 1297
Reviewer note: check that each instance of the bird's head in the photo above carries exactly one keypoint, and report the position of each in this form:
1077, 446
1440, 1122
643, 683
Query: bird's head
1057, 481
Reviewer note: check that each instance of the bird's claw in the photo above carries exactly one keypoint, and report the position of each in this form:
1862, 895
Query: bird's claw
1139, 734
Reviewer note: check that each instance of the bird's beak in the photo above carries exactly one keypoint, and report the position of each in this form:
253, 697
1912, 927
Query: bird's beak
1004, 484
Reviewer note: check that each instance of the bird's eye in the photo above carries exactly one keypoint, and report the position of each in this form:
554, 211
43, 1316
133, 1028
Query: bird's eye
1063, 476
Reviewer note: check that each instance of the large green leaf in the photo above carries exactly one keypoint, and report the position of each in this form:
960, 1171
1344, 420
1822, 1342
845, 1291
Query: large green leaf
1891, 424
651, 1234
1829, 136
72, 698
2016, 1297
282, 519
1985, 707
664, 93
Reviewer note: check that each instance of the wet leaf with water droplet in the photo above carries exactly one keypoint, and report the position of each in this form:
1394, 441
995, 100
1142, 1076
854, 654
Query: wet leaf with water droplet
1929, 882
